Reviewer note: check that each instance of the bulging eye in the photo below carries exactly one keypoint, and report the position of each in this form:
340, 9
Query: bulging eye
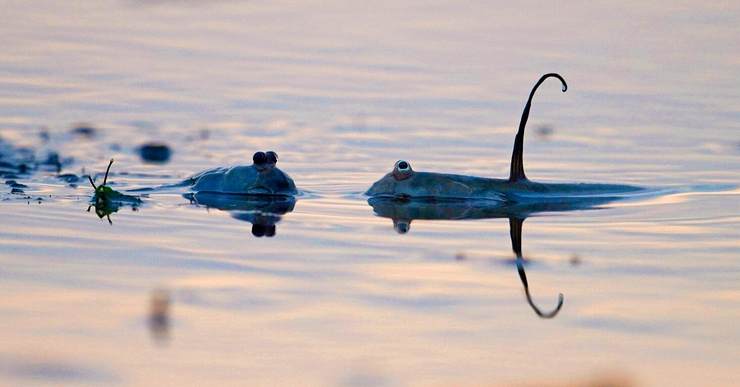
402, 170
403, 166
259, 158
272, 157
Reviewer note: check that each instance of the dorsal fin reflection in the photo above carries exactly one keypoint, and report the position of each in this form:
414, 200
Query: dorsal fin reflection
403, 212
515, 229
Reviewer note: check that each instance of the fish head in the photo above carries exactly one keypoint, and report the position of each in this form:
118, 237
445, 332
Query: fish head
403, 182
267, 177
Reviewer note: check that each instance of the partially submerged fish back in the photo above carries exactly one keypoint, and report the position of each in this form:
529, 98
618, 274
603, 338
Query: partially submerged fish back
437, 185
246, 180
528, 191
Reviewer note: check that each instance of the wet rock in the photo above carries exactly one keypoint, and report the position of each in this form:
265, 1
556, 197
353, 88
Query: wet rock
15, 184
155, 152
69, 178
17, 191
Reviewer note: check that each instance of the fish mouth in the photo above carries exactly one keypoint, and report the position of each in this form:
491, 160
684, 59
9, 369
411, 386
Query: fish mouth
259, 190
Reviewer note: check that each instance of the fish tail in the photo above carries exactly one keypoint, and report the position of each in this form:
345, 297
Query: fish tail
517, 157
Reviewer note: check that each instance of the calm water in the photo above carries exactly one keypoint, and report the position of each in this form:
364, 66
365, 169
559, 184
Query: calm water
341, 90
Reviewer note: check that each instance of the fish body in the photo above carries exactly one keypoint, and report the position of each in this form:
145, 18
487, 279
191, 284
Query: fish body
405, 183
450, 186
244, 180
261, 178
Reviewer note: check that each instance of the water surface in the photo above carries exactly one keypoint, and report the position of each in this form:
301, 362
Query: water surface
186, 294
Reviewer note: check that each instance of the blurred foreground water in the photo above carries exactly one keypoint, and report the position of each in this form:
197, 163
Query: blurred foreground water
180, 293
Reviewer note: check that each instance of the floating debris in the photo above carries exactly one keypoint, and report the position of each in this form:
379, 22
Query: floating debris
155, 152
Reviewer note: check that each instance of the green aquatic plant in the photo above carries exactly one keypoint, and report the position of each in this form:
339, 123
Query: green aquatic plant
106, 200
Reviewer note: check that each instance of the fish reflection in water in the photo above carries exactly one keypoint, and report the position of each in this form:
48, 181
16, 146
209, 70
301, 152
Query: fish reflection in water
262, 211
403, 212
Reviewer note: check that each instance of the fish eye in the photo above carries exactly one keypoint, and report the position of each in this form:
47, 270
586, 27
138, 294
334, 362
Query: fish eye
402, 165
259, 158
272, 157
402, 170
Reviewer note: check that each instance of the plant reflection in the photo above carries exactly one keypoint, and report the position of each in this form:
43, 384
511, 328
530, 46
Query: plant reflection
106, 200
105, 208
159, 315
263, 212
403, 212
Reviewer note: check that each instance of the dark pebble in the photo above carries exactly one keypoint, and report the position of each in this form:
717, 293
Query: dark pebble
155, 152
84, 130
69, 177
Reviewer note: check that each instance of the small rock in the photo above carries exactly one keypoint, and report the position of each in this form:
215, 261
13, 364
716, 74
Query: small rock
69, 178
155, 152
84, 130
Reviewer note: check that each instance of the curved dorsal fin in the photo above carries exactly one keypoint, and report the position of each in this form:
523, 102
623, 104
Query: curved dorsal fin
517, 160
